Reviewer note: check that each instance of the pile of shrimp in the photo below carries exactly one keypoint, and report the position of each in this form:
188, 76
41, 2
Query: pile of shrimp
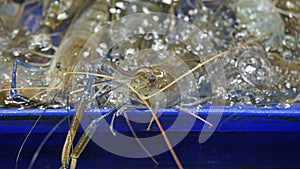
251, 46
271, 78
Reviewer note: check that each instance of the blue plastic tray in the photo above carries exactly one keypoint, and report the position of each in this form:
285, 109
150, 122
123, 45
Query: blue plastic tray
247, 137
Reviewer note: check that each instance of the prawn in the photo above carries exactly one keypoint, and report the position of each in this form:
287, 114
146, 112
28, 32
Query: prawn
148, 79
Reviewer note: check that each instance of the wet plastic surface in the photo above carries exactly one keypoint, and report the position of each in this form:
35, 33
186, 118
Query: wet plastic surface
247, 137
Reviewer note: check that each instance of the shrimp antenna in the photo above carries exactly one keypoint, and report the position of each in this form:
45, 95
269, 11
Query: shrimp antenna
160, 128
26, 138
44, 142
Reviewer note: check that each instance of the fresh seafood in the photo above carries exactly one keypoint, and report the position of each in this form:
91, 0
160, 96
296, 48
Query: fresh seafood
126, 65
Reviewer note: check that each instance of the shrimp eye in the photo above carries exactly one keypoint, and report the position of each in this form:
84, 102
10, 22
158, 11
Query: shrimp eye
151, 78
58, 65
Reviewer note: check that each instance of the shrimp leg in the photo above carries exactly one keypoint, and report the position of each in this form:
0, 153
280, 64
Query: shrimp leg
13, 94
75, 124
14, 74
85, 138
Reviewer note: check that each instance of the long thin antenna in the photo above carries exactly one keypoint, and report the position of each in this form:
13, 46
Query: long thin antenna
194, 115
26, 138
138, 140
160, 128
37, 152
207, 61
